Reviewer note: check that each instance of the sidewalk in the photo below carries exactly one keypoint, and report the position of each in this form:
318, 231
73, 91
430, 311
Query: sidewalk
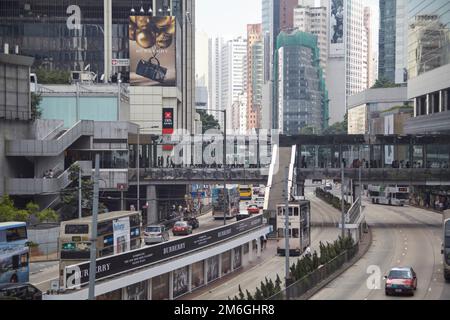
213, 287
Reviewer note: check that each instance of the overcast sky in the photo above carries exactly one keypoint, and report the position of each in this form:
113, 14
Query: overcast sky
229, 18
226, 18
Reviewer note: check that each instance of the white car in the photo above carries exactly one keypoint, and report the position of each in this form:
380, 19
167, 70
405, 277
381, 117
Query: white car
259, 202
155, 234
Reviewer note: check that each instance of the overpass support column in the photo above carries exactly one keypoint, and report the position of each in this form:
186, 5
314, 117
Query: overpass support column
250, 251
152, 210
258, 248
301, 188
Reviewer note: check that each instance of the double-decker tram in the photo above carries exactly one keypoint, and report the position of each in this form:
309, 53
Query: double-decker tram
299, 215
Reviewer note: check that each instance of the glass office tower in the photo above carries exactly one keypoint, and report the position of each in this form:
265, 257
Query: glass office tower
68, 34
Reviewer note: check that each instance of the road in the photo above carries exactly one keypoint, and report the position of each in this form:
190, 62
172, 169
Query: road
402, 236
273, 264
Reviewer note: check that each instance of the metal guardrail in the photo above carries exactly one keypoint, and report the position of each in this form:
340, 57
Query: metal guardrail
296, 290
408, 175
47, 148
353, 213
200, 174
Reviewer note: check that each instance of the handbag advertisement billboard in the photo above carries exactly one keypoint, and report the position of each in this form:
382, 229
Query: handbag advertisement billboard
122, 239
152, 51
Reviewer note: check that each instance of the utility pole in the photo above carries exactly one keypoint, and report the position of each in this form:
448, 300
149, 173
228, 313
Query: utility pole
79, 193
360, 181
342, 198
138, 208
92, 266
286, 227
225, 194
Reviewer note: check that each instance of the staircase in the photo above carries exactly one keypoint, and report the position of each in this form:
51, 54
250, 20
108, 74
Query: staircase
48, 148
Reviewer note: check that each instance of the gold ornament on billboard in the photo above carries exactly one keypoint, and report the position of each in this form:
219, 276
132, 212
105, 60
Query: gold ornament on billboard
145, 38
164, 40
148, 31
142, 21
132, 32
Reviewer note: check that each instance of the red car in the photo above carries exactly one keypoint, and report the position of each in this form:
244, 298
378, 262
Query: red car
253, 209
182, 228
401, 280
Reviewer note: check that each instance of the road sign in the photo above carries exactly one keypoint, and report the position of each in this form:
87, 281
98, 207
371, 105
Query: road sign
122, 186
120, 62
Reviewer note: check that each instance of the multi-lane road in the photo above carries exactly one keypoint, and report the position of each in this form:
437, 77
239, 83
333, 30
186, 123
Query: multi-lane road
402, 236
273, 264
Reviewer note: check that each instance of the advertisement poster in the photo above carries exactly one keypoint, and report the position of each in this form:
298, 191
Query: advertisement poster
152, 51
237, 261
337, 21
213, 268
180, 281
138, 291
389, 129
121, 235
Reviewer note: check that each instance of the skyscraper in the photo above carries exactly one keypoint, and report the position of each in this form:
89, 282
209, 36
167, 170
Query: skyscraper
233, 56
314, 20
255, 74
393, 40
302, 96
347, 63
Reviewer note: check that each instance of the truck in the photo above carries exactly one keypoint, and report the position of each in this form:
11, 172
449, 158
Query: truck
446, 244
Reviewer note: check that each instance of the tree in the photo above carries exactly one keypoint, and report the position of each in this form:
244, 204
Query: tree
384, 83
338, 127
208, 121
308, 130
36, 111
53, 76
69, 195
10, 213
241, 294
277, 284
249, 295
258, 295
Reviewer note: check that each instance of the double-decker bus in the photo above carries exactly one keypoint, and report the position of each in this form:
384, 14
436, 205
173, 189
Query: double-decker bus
228, 200
117, 232
446, 244
391, 195
245, 192
14, 255
299, 216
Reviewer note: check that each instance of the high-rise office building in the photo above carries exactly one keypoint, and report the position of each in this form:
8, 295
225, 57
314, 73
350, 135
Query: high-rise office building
314, 20
347, 63
255, 74
89, 34
429, 66
371, 59
300, 86
233, 56
393, 40
214, 79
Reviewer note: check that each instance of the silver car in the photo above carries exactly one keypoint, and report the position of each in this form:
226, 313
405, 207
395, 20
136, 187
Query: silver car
155, 234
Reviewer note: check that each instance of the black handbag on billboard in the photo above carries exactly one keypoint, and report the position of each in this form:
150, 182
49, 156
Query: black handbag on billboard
151, 70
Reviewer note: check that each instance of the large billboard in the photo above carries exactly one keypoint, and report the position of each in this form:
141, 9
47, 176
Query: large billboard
337, 17
337, 21
113, 265
152, 51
